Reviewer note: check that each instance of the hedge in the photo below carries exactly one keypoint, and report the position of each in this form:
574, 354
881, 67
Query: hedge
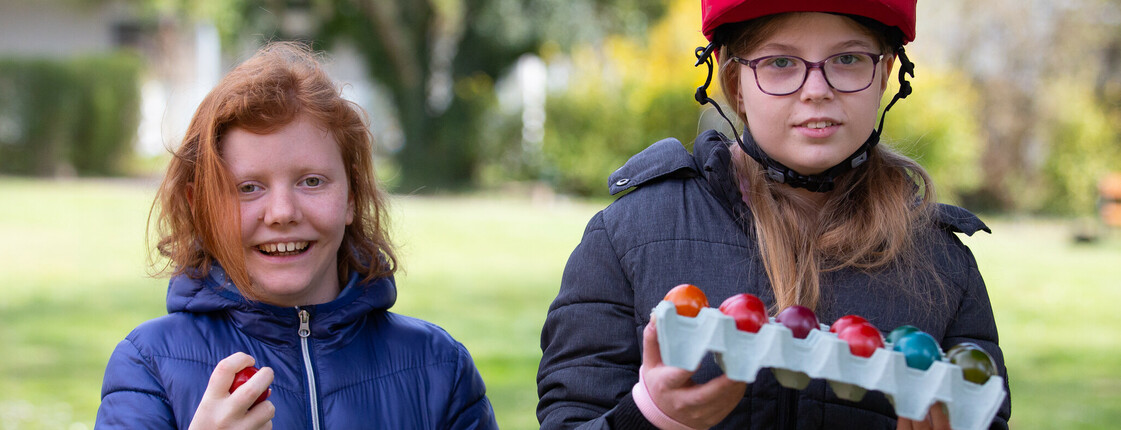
75, 116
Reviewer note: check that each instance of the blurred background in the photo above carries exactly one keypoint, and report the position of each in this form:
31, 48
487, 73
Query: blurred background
497, 123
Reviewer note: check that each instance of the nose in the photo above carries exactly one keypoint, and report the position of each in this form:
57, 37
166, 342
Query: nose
816, 87
282, 208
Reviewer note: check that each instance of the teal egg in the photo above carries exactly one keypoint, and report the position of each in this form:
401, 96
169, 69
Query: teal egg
919, 349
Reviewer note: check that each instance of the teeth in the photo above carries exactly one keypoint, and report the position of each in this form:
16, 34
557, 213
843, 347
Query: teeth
273, 248
818, 124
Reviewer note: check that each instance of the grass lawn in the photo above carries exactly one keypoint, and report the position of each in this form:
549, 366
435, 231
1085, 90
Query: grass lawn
1056, 305
73, 282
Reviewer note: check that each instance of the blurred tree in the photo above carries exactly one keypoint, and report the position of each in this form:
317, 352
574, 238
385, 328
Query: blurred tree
1108, 83
620, 97
937, 126
1018, 54
1003, 50
438, 59
1084, 149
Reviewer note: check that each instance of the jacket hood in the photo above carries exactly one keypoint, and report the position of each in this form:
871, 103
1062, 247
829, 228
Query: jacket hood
214, 293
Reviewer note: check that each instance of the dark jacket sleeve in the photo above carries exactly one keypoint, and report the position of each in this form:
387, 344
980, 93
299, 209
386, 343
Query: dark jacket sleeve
974, 322
589, 343
131, 395
470, 409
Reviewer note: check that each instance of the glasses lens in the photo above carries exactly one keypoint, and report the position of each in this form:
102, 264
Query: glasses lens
780, 75
850, 72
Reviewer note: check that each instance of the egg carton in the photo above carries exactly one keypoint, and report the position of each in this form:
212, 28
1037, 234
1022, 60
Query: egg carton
684, 341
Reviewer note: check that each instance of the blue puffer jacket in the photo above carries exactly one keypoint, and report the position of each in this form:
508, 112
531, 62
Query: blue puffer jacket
360, 367
684, 221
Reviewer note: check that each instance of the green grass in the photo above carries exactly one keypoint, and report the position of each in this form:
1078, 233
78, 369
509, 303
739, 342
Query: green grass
1056, 305
73, 282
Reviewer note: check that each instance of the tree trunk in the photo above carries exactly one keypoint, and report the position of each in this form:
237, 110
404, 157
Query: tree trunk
436, 155
1006, 118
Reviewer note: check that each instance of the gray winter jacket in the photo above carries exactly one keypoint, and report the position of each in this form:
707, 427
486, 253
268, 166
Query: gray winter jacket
683, 221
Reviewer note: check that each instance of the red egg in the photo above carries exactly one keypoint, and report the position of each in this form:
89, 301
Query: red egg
844, 322
748, 311
242, 377
863, 339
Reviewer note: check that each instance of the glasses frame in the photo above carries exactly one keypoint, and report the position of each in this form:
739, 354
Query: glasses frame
810, 65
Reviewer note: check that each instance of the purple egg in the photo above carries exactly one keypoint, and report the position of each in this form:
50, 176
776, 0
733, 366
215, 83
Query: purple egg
800, 320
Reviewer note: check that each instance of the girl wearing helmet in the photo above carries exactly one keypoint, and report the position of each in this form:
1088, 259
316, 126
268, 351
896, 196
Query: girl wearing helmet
804, 208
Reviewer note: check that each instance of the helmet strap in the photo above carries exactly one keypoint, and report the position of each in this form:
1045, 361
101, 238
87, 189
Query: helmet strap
704, 55
821, 182
776, 171
906, 67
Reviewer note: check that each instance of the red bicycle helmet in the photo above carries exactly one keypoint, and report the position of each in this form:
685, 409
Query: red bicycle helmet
893, 13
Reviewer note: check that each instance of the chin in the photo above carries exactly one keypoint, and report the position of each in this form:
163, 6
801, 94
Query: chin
819, 165
281, 289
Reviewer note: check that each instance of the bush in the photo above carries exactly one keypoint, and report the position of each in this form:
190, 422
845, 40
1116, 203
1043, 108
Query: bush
71, 116
588, 134
937, 126
623, 96
1083, 150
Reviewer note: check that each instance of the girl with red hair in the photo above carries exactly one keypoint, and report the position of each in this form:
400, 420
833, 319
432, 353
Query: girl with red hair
275, 231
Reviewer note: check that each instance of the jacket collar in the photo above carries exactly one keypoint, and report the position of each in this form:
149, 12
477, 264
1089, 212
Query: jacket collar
711, 159
214, 293
711, 152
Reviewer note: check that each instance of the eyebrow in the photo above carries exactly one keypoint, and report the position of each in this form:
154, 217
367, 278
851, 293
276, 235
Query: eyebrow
848, 44
855, 43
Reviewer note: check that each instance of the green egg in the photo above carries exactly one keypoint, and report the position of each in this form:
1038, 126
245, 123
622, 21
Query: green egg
976, 364
894, 336
964, 346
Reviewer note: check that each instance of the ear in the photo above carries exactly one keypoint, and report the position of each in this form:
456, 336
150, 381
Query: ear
889, 65
737, 87
350, 210
739, 100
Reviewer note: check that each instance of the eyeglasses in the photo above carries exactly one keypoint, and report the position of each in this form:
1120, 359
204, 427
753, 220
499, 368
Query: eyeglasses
780, 75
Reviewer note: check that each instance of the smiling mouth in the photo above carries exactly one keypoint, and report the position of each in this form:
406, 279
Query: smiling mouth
282, 249
819, 124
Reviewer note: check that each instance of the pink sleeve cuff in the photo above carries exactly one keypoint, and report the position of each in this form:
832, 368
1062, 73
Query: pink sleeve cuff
650, 410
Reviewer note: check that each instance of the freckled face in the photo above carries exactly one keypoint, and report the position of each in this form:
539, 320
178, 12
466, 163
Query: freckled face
816, 127
295, 206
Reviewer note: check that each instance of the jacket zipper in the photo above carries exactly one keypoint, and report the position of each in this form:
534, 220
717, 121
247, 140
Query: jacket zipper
305, 331
790, 408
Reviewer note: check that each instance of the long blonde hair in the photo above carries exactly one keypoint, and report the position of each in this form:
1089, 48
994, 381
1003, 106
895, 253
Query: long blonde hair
870, 221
